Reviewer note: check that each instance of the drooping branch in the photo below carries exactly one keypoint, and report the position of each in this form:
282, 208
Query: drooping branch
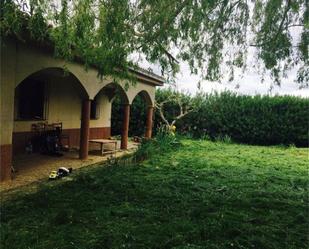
280, 28
106, 33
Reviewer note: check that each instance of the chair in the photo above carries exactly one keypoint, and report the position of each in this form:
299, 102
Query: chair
58, 128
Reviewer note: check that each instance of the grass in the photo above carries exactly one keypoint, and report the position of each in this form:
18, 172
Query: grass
202, 195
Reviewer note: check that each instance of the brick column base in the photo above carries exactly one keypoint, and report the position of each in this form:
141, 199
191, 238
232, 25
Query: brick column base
5, 162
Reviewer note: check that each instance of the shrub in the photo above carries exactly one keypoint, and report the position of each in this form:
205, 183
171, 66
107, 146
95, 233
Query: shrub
261, 120
164, 141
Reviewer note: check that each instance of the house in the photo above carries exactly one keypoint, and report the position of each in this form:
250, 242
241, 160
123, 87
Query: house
36, 88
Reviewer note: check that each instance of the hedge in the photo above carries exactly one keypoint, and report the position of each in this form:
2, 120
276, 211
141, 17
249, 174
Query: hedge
260, 120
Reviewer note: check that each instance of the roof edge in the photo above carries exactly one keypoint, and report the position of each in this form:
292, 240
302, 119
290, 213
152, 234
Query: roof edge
148, 76
142, 74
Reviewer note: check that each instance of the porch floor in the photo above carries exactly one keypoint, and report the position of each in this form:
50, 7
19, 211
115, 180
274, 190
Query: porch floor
33, 167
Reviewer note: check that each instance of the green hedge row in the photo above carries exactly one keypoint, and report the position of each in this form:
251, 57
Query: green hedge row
261, 120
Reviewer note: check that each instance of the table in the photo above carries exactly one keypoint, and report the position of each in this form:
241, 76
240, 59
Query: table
105, 141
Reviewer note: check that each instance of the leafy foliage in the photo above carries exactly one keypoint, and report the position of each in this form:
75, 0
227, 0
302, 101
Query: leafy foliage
209, 35
246, 119
263, 120
182, 103
117, 117
164, 140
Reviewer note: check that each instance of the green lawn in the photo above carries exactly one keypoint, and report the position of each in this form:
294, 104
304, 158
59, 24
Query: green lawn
202, 195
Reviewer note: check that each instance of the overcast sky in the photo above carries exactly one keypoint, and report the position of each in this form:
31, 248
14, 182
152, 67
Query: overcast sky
249, 82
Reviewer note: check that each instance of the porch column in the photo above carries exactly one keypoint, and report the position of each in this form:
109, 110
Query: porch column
5, 162
125, 127
7, 91
84, 130
148, 132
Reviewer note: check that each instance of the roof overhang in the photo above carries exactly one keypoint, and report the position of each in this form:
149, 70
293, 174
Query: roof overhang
141, 74
148, 77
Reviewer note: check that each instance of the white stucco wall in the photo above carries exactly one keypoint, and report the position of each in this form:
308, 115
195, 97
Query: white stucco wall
18, 61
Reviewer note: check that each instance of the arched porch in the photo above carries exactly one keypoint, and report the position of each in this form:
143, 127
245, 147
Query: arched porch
47, 115
51, 95
148, 108
71, 91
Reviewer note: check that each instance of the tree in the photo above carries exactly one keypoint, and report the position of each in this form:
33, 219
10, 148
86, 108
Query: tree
208, 34
173, 106
181, 102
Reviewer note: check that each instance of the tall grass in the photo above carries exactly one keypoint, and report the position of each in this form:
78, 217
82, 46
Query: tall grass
164, 141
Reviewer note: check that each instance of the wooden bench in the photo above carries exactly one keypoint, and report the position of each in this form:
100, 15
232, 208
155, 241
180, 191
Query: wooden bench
105, 141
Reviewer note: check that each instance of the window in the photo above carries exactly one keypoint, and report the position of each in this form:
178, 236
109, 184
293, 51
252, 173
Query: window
30, 96
94, 110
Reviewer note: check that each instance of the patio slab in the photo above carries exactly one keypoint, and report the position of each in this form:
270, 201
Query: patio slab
34, 167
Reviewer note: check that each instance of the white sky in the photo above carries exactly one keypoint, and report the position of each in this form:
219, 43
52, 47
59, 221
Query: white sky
245, 83
249, 82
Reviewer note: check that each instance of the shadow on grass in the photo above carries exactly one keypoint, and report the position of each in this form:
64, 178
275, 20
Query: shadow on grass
198, 196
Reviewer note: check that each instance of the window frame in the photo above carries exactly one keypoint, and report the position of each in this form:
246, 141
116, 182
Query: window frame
45, 101
96, 112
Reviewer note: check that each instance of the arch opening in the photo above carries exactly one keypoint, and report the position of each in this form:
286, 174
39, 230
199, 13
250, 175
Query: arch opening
110, 101
113, 90
32, 95
145, 96
138, 118
47, 97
